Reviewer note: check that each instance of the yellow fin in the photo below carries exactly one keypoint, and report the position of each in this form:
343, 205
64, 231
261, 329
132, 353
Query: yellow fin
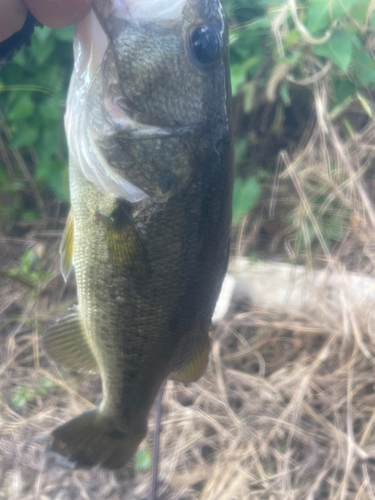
66, 247
66, 344
124, 243
195, 366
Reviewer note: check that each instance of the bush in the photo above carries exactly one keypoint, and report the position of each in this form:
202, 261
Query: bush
33, 91
279, 52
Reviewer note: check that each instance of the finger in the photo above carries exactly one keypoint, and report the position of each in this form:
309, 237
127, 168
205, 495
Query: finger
58, 13
12, 17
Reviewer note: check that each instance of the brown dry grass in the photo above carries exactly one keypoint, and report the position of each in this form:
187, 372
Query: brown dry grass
285, 410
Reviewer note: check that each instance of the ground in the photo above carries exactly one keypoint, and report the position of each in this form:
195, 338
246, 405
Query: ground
284, 411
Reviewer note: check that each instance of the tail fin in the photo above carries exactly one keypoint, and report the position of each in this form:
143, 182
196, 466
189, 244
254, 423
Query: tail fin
93, 439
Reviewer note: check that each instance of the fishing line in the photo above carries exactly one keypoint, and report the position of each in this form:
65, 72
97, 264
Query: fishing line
155, 457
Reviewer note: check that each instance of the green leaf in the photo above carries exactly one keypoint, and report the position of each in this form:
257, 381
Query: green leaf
21, 396
241, 148
44, 385
245, 195
30, 215
50, 77
143, 459
365, 67
47, 383
50, 141
343, 89
43, 168
318, 17
23, 108
4, 179
49, 167
238, 77
50, 108
291, 39
322, 13
341, 7
65, 34
42, 34
27, 260
20, 57
59, 183
40, 50
24, 135
338, 49
18, 400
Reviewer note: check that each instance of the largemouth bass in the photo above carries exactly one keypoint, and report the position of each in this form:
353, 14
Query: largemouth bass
150, 142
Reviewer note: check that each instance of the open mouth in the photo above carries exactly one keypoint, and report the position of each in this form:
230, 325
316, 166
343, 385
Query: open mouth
90, 46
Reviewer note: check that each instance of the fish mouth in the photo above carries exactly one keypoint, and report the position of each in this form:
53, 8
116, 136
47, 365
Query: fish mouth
115, 114
90, 47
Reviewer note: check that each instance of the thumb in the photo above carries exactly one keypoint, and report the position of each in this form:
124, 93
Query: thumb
58, 13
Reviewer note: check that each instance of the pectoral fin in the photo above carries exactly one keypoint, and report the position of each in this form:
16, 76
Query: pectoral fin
66, 344
195, 366
66, 247
124, 243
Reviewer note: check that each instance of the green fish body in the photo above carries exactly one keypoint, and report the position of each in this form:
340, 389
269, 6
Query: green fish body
148, 233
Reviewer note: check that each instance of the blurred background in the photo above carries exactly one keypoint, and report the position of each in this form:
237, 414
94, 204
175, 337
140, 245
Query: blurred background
286, 408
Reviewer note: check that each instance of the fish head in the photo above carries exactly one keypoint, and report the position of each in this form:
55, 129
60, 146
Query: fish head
169, 58
157, 101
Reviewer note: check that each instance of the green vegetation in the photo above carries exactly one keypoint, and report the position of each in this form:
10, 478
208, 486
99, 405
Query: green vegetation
279, 51
143, 459
24, 394
32, 99
30, 268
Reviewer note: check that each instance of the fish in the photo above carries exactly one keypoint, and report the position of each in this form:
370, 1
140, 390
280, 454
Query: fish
149, 132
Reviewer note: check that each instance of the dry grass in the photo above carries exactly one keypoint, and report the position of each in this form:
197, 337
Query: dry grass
285, 411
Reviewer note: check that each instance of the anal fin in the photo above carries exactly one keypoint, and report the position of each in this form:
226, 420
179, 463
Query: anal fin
66, 344
66, 247
196, 365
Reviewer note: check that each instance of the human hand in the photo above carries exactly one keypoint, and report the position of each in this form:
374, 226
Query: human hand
53, 13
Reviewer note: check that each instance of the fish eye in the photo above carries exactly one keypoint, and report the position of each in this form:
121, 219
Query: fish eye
205, 44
